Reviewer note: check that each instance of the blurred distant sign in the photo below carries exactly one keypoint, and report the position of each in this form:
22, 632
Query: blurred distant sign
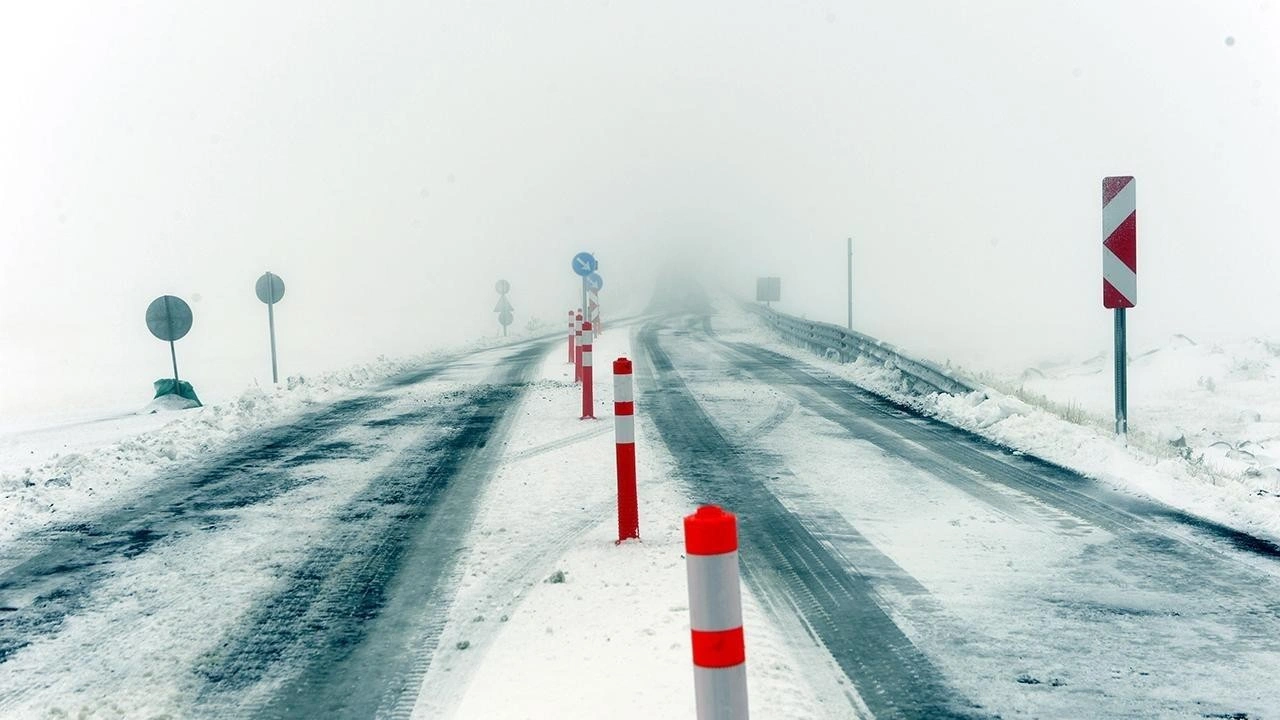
270, 288
595, 282
1119, 242
768, 289
169, 318
584, 264
503, 308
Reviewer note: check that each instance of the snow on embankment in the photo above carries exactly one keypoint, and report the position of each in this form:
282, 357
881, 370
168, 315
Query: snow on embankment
1204, 421
50, 473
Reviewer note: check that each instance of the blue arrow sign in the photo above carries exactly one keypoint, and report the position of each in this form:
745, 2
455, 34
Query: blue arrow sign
584, 264
595, 282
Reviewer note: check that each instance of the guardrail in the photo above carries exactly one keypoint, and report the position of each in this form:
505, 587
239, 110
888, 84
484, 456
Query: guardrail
835, 342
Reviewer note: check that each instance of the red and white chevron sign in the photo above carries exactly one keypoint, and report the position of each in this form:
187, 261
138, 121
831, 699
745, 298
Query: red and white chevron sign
1119, 242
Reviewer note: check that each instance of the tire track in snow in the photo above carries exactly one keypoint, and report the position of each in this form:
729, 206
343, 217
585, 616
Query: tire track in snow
350, 633
973, 465
839, 605
68, 561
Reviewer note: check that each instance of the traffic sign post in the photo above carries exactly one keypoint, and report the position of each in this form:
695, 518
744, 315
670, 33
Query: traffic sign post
768, 289
503, 308
169, 319
850, 284
594, 284
270, 290
1120, 275
584, 264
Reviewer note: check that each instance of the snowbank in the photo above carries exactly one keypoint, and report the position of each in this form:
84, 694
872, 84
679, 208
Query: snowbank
1204, 425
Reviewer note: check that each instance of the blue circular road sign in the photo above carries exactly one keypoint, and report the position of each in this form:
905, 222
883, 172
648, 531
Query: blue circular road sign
594, 281
584, 264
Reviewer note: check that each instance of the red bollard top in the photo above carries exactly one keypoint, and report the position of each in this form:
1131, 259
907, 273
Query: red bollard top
578, 316
622, 366
586, 326
710, 531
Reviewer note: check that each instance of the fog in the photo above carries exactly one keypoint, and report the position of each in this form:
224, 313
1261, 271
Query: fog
391, 161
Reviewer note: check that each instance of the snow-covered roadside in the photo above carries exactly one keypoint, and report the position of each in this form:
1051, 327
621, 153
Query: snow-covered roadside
1216, 404
552, 619
76, 465
154, 625
1250, 503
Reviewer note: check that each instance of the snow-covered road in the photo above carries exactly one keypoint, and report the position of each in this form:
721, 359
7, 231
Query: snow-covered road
440, 545
986, 582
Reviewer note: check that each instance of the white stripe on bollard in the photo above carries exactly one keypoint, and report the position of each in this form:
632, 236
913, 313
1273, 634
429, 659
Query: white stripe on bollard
622, 389
721, 692
715, 598
624, 429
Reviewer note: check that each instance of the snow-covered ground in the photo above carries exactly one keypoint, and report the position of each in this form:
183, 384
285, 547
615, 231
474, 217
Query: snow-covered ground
1204, 428
552, 619
608, 637
1221, 402
55, 466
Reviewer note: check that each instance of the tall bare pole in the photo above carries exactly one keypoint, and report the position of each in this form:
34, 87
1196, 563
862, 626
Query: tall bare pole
850, 322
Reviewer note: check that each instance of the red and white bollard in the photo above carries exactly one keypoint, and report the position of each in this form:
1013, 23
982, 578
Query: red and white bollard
572, 338
577, 351
588, 402
715, 614
624, 431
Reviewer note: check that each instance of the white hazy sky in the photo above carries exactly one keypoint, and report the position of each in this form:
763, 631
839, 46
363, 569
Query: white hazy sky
391, 160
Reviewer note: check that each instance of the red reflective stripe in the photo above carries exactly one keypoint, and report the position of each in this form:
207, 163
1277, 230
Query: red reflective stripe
624, 408
1112, 186
720, 649
1124, 242
1111, 298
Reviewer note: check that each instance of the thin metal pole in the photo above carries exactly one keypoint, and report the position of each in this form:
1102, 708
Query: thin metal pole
271, 323
173, 353
1122, 379
850, 283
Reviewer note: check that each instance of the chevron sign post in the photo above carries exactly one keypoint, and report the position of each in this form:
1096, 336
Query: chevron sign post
1120, 274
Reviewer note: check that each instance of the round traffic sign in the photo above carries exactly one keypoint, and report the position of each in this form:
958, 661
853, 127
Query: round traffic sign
270, 288
594, 281
169, 318
503, 287
584, 263
505, 318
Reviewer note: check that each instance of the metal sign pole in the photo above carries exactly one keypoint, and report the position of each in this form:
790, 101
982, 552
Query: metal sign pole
850, 283
271, 323
173, 353
1122, 379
